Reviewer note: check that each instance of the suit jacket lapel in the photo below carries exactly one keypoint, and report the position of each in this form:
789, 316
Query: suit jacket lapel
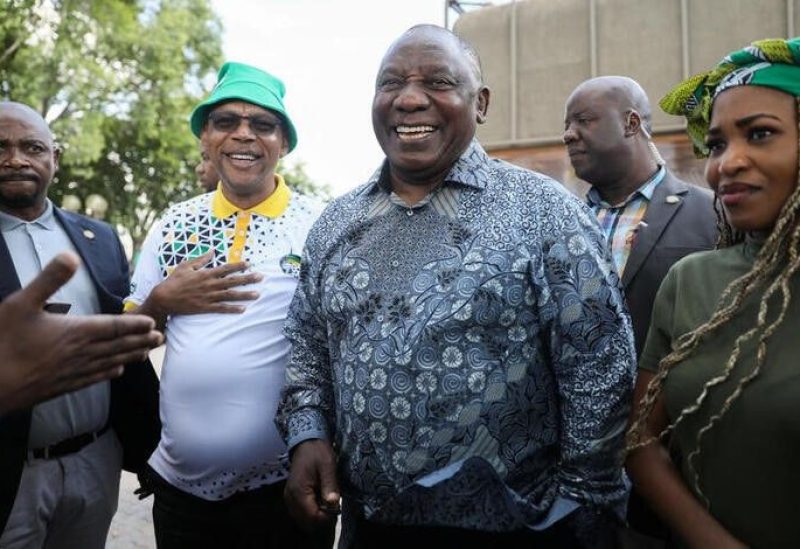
9, 281
658, 215
86, 247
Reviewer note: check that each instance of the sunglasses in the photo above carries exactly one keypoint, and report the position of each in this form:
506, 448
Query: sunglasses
228, 122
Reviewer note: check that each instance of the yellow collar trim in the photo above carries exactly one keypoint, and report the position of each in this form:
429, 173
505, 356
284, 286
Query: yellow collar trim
273, 206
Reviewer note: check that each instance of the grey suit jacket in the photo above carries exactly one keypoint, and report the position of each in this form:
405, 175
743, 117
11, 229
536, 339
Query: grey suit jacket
679, 220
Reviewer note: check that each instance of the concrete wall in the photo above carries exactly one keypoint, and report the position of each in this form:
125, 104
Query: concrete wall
535, 52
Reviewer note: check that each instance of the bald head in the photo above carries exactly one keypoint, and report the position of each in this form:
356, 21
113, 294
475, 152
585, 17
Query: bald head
24, 112
28, 160
625, 92
607, 130
435, 35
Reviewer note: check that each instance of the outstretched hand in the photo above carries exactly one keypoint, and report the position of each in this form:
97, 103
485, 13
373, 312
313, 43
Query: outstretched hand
312, 491
43, 355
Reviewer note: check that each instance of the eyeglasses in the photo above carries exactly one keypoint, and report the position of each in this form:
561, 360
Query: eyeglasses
228, 122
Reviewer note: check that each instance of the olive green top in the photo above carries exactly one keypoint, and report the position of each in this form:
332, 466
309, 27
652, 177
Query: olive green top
749, 463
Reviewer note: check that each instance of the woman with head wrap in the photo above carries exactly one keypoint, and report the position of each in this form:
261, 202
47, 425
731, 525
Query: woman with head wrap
720, 371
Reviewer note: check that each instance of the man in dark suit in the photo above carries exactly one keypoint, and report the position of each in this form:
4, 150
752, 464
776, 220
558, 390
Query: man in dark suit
60, 460
649, 217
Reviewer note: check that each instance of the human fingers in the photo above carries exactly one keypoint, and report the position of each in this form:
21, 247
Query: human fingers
54, 275
312, 493
329, 486
222, 308
96, 328
233, 281
146, 485
121, 349
229, 268
131, 324
197, 262
301, 500
232, 295
74, 380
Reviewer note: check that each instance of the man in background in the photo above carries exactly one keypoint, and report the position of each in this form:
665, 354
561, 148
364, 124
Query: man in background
207, 176
649, 217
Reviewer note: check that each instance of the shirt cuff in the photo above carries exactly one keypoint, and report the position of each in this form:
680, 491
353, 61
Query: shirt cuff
305, 424
307, 435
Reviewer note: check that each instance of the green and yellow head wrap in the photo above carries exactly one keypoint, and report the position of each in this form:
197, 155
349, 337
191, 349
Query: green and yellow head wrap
773, 63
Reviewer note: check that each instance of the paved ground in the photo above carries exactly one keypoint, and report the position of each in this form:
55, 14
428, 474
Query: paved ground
132, 527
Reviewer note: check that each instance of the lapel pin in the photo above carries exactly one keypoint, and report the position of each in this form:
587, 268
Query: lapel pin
88, 233
672, 199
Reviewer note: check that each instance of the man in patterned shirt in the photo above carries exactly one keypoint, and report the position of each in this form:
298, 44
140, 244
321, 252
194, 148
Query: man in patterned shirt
220, 466
462, 363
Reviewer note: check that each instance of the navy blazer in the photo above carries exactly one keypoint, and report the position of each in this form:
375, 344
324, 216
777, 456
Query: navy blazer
134, 395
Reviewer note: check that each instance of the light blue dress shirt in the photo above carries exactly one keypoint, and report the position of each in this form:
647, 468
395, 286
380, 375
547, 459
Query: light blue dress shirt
32, 244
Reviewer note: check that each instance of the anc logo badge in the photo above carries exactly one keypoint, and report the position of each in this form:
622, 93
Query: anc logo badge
290, 264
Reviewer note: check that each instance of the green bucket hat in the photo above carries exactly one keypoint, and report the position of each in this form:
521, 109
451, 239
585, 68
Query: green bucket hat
245, 83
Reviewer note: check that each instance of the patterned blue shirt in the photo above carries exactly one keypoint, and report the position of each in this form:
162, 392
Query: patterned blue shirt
470, 357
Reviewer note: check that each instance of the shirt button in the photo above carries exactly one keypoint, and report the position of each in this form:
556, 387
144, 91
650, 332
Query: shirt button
241, 233
409, 212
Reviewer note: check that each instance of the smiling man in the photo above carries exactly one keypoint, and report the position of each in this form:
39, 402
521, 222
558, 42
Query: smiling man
462, 363
219, 272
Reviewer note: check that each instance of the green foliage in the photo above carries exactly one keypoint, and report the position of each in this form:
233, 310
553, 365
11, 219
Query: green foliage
116, 80
297, 178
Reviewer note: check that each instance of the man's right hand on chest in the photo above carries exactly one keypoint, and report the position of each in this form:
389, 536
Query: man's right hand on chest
193, 289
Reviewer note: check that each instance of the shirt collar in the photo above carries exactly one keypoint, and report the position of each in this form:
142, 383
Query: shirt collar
646, 191
46, 221
273, 206
471, 170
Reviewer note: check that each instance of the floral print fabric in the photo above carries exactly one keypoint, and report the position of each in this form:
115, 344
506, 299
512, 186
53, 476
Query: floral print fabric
470, 358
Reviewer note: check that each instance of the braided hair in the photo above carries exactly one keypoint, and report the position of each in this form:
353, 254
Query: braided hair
772, 270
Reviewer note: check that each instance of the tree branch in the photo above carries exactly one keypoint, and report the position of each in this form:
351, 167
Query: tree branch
64, 113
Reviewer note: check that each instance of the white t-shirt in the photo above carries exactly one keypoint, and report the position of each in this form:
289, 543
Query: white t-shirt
223, 373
